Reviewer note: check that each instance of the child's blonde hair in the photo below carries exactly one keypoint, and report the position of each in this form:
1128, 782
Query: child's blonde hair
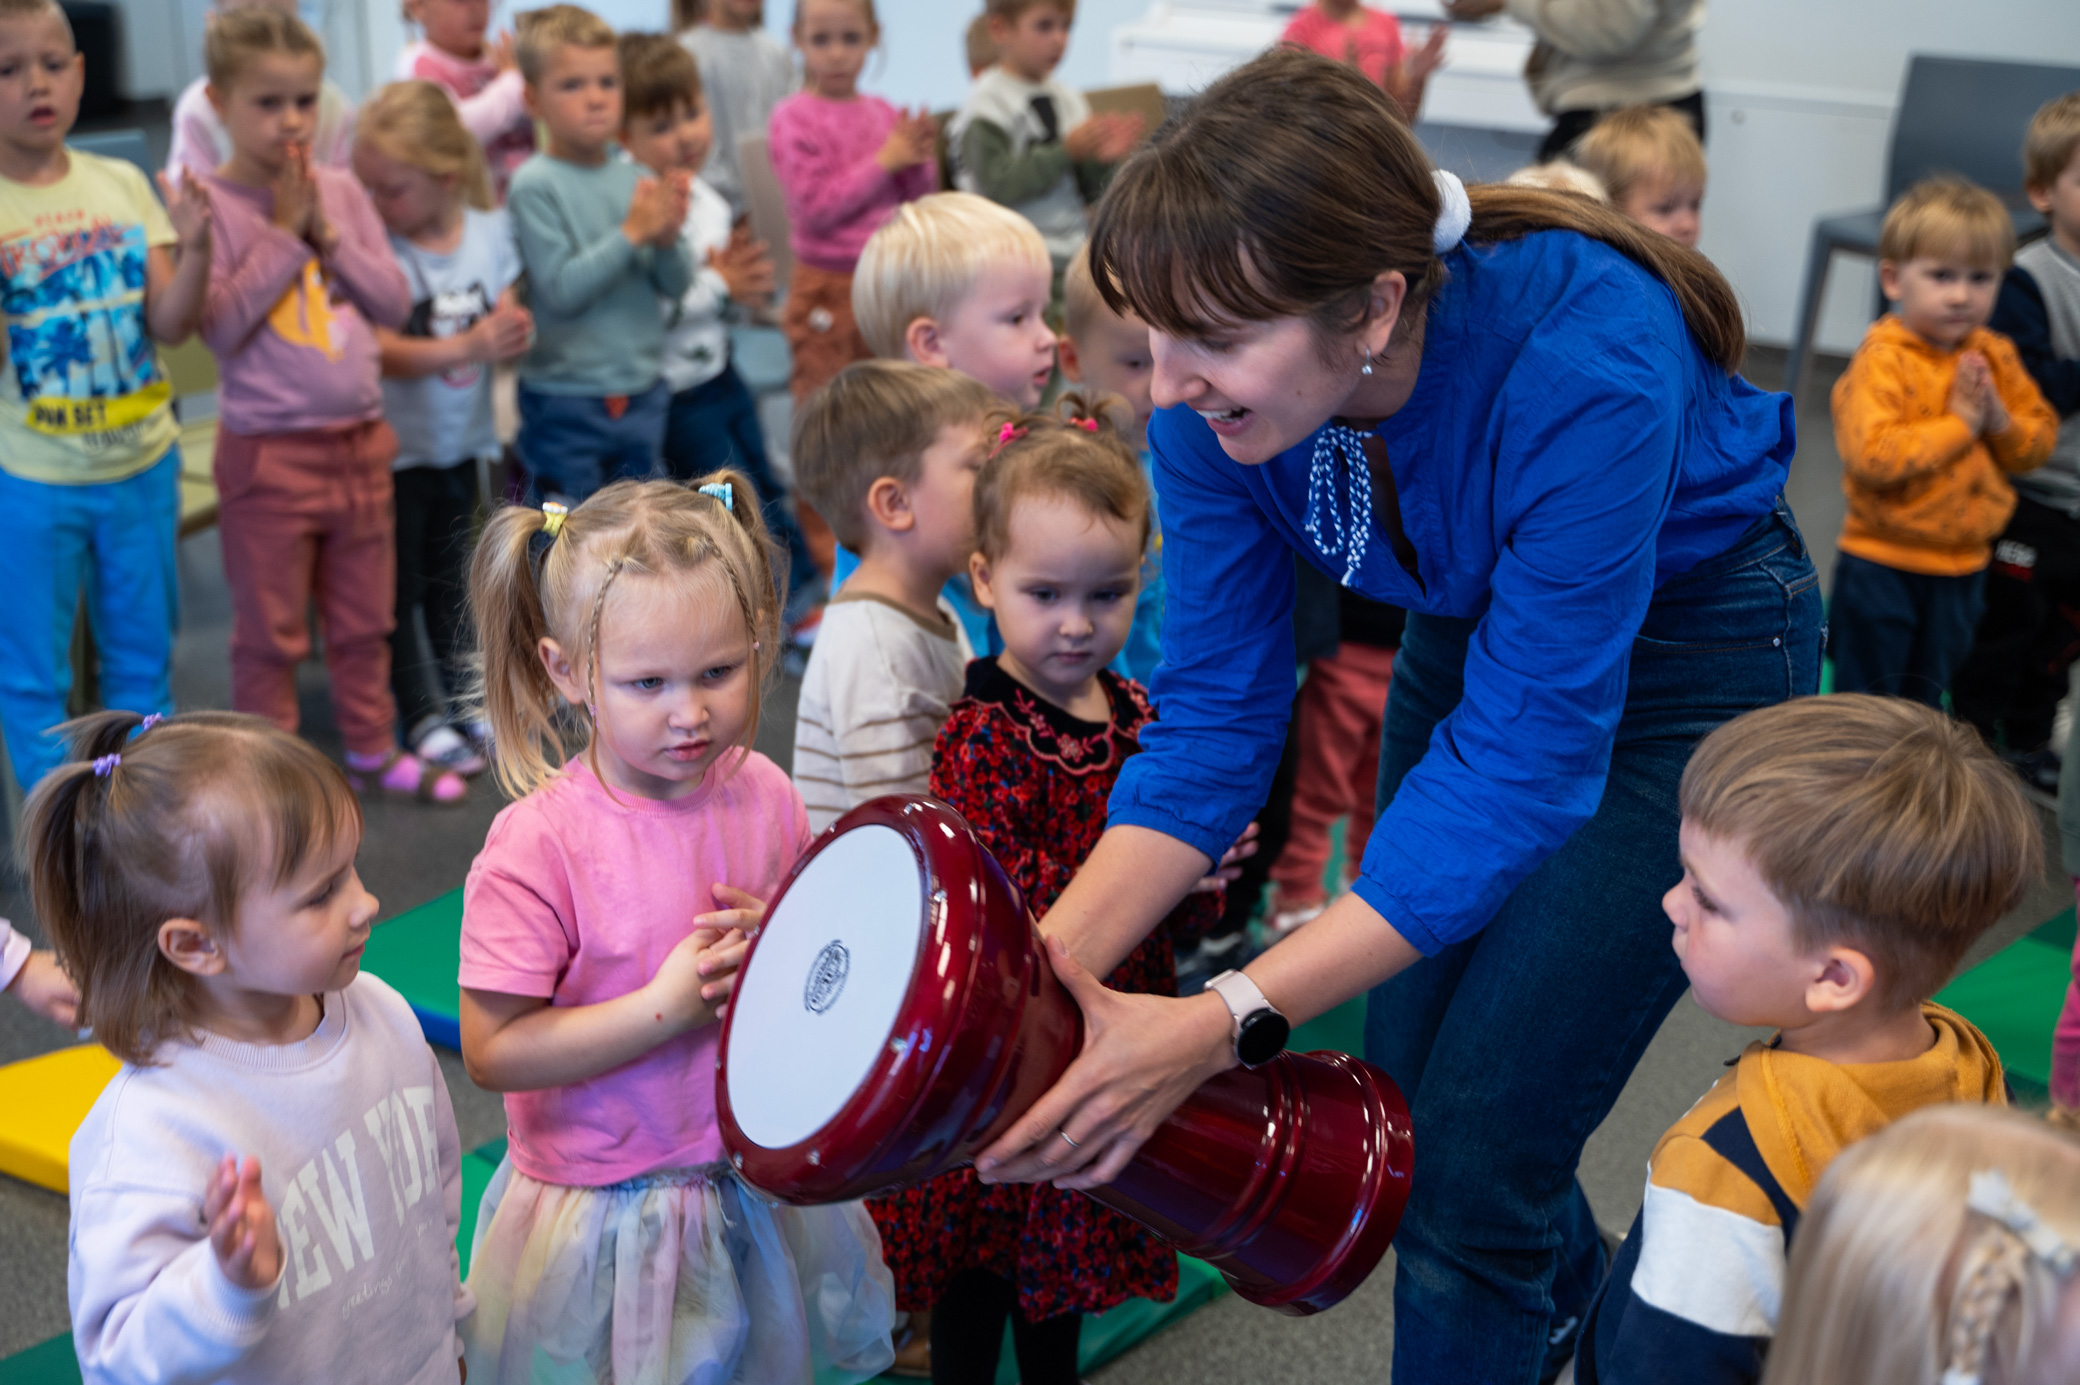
233, 38
539, 33
981, 44
1559, 176
1078, 452
416, 123
1877, 822
925, 259
865, 7
524, 588
1948, 216
167, 818
1083, 307
1640, 142
875, 419
1895, 1280
2052, 141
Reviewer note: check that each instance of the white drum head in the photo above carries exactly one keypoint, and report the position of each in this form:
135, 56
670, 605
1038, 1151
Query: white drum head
812, 1012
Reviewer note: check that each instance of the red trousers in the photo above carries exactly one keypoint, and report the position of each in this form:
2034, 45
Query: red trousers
1342, 705
303, 517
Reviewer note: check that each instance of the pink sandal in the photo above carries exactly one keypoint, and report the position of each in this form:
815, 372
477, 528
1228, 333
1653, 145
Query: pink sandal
402, 774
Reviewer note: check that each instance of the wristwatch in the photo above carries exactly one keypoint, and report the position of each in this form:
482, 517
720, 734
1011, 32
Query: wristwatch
1260, 1031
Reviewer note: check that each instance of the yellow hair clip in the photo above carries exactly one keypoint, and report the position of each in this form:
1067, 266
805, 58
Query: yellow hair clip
553, 514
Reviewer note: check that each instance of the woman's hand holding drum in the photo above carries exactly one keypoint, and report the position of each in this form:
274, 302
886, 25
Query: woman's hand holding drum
1142, 1056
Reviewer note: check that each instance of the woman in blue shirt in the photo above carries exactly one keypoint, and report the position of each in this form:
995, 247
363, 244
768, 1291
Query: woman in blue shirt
1528, 432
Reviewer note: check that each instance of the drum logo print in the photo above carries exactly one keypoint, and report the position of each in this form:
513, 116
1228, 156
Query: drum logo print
826, 977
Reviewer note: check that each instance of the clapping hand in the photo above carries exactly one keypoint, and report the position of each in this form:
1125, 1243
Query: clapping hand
746, 267
503, 333
296, 193
187, 207
655, 210
241, 1225
1972, 395
1104, 138
1430, 57
501, 52
913, 141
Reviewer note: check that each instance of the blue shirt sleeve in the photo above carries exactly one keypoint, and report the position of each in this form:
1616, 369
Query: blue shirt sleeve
1224, 690
1582, 436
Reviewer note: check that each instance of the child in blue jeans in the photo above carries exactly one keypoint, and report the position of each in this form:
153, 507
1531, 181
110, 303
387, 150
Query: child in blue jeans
92, 271
601, 244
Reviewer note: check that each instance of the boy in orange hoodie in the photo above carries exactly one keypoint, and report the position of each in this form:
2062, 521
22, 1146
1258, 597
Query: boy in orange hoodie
1839, 856
1932, 415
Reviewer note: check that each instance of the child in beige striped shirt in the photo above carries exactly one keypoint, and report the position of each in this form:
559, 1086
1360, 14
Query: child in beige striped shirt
888, 452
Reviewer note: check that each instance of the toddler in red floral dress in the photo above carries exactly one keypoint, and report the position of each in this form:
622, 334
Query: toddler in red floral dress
1029, 755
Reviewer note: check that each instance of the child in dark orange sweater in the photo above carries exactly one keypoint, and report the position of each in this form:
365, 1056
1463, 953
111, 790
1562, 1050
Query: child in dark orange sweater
1931, 417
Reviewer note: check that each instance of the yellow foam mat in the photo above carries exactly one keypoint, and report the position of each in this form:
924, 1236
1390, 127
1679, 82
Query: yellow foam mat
44, 1100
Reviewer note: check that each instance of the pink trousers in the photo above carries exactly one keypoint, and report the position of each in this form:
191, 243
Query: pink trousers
1342, 704
309, 517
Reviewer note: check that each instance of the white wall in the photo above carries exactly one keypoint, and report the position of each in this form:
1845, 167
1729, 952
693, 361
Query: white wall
1802, 98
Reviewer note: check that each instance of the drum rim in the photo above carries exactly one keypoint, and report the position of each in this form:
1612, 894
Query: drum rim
891, 1090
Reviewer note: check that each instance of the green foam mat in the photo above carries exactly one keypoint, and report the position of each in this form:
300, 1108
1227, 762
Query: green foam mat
2014, 997
420, 953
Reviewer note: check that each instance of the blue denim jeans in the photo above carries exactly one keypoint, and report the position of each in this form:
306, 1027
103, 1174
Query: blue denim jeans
1512, 1045
116, 542
573, 444
714, 425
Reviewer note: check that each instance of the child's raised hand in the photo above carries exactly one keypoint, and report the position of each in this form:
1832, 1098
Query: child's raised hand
295, 193
746, 267
1969, 389
501, 52
187, 207
43, 986
241, 1225
913, 140
1430, 56
1087, 139
1124, 134
501, 334
649, 212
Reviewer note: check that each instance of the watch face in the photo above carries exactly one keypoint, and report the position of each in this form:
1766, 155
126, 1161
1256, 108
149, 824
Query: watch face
1263, 1038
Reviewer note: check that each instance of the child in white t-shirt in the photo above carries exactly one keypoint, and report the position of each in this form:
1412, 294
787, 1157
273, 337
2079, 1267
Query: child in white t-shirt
427, 177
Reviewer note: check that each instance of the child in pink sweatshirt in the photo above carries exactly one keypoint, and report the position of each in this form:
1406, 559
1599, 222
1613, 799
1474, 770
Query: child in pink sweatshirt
303, 454
845, 161
482, 77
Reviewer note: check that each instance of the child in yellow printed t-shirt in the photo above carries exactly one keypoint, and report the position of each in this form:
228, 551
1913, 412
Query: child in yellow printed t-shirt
92, 271
1932, 415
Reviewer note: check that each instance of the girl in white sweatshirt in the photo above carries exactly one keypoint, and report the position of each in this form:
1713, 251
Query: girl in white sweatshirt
269, 1188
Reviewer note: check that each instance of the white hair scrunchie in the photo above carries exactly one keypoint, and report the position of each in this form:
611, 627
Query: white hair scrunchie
1454, 212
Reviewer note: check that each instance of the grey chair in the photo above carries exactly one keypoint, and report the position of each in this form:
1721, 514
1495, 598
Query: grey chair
1956, 115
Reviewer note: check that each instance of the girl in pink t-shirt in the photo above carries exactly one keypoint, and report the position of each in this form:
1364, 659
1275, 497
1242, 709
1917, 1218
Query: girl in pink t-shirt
602, 927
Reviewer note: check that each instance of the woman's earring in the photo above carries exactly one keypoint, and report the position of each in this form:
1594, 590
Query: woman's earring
1366, 369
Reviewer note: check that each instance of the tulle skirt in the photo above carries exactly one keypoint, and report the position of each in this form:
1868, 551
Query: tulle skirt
685, 1277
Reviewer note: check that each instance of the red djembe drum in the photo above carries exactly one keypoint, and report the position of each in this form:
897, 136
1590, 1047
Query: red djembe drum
897, 1013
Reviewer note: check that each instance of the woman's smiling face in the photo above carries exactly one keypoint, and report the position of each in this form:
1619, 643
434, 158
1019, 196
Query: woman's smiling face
1264, 387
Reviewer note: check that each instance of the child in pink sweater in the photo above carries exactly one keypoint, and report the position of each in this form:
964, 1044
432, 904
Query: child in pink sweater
845, 161
303, 454
483, 78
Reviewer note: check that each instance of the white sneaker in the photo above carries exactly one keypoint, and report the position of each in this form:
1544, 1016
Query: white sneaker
1287, 921
445, 746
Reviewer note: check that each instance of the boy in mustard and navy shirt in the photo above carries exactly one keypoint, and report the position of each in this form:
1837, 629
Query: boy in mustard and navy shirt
1932, 416
92, 271
1839, 856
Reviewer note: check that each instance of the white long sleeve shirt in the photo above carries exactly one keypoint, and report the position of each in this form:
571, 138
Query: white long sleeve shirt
359, 1159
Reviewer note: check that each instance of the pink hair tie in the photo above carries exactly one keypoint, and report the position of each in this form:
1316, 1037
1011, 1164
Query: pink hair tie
1088, 425
1008, 434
